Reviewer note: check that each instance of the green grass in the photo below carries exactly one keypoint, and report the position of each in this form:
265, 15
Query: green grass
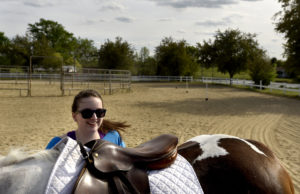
213, 72
273, 92
285, 80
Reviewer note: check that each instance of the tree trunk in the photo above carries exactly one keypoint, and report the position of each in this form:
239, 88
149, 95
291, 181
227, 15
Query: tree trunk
231, 76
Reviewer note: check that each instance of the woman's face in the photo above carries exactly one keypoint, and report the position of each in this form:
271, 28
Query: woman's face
93, 123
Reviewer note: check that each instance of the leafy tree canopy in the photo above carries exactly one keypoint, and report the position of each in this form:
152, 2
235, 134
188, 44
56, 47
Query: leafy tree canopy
57, 37
206, 53
146, 65
233, 50
174, 58
86, 53
116, 55
289, 25
4, 50
261, 68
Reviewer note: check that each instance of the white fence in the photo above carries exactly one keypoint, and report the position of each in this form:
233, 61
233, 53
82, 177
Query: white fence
273, 86
110, 80
143, 78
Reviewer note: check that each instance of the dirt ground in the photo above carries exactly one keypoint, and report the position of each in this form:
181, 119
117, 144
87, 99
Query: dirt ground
154, 109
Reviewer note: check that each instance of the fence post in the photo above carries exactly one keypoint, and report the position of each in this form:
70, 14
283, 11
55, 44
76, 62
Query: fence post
186, 83
29, 80
285, 88
110, 89
260, 85
62, 88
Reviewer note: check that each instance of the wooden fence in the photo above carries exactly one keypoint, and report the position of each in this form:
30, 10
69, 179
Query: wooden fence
107, 80
15, 79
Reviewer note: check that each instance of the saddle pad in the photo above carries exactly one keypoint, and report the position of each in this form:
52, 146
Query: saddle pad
66, 169
178, 178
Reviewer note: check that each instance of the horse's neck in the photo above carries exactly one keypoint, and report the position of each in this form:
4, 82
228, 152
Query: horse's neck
19, 174
18, 155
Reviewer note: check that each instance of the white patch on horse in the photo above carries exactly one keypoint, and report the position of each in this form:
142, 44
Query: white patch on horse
210, 147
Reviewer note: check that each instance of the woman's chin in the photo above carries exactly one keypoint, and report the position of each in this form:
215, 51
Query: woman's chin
93, 127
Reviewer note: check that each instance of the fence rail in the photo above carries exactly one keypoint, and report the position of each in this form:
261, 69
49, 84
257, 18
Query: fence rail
105, 79
285, 87
143, 78
110, 80
101, 79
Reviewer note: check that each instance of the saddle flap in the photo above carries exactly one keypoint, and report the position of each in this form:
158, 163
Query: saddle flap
108, 158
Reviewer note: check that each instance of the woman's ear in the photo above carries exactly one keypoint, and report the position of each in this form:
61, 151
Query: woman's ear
74, 116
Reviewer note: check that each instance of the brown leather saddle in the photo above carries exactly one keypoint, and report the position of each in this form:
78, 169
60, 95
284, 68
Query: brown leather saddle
112, 169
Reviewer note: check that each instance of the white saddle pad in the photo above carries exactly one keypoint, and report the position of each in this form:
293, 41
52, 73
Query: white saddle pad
178, 178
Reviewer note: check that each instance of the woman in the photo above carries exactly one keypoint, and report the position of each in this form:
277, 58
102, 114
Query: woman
88, 113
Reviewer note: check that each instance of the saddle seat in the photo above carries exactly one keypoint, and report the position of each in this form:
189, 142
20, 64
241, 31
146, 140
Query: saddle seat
124, 170
157, 153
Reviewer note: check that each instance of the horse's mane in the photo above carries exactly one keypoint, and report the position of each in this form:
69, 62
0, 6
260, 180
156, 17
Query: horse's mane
19, 155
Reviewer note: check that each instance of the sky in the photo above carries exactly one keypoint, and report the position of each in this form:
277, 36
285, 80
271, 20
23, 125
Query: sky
144, 23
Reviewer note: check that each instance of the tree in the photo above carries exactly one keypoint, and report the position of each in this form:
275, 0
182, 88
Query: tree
261, 69
54, 34
85, 52
174, 58
193, 65
21, 50
233, 51
146, 65
206, 55
116, 55
4, 50
289, 25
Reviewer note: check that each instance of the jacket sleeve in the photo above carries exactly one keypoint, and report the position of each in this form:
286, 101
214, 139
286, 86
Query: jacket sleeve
114, 137
53, 142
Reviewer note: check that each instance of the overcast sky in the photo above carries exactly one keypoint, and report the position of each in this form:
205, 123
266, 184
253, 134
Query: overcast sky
147, 22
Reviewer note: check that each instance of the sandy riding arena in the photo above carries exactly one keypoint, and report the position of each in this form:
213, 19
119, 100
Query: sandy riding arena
154, 109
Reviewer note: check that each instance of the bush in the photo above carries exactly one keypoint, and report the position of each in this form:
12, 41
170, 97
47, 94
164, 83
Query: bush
262, 70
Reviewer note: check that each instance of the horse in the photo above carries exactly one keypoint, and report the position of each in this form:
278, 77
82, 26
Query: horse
22, 172
228, 164
222, 163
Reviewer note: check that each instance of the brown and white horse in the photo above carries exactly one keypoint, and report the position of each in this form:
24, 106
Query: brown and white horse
227, 164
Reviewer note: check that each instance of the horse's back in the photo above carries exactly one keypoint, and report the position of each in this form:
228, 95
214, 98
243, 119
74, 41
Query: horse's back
226, 164
28, 175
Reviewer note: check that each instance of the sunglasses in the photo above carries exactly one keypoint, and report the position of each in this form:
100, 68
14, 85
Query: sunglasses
88, 113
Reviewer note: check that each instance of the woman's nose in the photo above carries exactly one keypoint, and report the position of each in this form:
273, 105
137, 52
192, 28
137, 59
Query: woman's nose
94, 116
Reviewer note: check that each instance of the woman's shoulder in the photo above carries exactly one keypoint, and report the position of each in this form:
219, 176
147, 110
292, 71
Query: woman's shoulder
114, 137
53, 142
56, 139
113, 132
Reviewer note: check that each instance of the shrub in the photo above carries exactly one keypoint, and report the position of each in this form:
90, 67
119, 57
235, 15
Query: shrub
262, 70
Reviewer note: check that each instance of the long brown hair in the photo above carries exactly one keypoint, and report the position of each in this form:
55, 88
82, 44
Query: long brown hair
107, 125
